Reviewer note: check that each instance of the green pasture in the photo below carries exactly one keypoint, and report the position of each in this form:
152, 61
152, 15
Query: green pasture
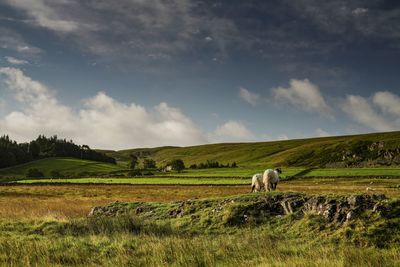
68, 166
395, 171
229, 172
145, 181
312, 152
303, 172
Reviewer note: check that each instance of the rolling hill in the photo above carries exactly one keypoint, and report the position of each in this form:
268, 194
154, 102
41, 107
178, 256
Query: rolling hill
67, 166
340, 151
378, 149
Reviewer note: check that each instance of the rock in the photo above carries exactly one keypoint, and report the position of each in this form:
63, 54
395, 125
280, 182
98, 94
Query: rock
177, 213
139, 210
379, 208
350, 216
292, 204
95, 211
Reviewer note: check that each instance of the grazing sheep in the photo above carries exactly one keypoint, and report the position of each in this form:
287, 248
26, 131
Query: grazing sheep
257, 182
271, 179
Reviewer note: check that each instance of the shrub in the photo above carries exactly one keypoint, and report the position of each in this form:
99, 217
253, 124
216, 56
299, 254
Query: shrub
149, 164
134, 173
34, 173
56, 174
177, 165
193, 166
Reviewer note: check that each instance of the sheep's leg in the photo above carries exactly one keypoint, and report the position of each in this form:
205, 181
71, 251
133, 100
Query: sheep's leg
253, 188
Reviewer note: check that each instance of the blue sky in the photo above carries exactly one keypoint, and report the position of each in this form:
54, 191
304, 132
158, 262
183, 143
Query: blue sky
121, 74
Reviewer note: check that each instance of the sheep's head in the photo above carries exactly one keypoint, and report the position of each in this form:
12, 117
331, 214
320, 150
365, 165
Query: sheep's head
278, 170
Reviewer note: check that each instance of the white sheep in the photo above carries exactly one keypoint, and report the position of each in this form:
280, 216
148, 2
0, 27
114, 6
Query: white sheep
257, 182
271, 179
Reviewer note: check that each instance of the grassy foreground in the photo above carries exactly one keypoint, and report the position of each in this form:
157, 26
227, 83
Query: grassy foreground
210, 232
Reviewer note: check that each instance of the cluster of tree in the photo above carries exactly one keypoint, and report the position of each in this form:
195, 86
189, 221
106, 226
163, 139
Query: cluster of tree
212, 164
177, 165
12, 153
147, 163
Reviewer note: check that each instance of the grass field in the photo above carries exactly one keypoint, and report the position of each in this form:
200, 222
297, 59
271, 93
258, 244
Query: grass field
67, 166
311, 152
47, 226
75, 200
72, 201
43, 222
290, 171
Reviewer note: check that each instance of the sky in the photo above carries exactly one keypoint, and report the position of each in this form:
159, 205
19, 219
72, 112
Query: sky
146, 73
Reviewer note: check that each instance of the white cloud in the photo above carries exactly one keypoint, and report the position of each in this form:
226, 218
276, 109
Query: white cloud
14, 42
362, 111
388, 102
44, 15
234, 131
304, 95
103, 122
16, 61
248, 96
360, 11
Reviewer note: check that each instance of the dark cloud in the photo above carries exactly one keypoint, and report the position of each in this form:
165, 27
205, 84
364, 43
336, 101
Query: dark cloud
146, 31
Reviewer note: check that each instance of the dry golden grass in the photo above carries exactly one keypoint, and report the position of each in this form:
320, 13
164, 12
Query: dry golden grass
72, 201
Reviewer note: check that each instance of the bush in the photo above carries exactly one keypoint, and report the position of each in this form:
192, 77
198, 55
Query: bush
177, 165
149, 164
134, 173
34, 173
193, 166
56, 174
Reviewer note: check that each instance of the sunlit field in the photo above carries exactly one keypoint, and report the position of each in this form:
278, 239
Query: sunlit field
70, 201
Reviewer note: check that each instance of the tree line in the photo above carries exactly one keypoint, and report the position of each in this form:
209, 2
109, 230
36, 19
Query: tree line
210, 164
13, 153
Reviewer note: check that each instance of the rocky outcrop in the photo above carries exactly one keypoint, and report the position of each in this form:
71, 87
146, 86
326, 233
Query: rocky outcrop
257, 208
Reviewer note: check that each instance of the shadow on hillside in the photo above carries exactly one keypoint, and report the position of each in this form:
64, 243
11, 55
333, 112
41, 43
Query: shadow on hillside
304, 172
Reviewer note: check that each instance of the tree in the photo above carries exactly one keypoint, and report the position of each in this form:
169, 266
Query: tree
34, 149
149, 164
177, 165
134, 161
234, 165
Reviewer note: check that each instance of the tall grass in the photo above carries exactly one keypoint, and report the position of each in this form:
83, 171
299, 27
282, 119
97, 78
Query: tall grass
124, 247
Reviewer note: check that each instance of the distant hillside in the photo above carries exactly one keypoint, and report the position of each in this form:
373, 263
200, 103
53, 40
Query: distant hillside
341, 151
66, 166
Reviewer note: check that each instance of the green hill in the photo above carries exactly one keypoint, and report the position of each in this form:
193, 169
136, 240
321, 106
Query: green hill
340, 151
66, 166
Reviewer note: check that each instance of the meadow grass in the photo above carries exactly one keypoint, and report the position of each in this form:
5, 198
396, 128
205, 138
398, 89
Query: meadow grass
246, 248
70, 166
74, 200
381, 171
301, 152
145, 181
133, 241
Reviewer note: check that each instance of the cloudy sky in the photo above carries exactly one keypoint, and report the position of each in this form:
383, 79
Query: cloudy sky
144, 73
